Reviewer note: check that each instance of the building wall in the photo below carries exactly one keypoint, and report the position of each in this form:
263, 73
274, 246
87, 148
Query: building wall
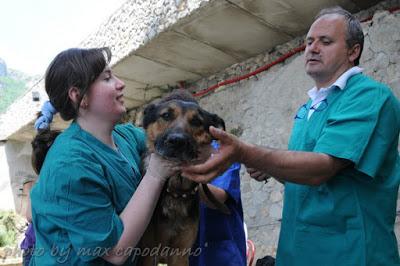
15, 167
6, 195
261, 111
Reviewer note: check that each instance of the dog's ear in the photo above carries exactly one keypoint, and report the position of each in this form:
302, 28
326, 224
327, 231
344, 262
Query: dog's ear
149, 115
213, 120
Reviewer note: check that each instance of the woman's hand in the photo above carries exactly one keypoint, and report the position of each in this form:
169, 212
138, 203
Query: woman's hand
161, 168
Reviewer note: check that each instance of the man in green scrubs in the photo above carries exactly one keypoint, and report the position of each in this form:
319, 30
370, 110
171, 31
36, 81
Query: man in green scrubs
342, 169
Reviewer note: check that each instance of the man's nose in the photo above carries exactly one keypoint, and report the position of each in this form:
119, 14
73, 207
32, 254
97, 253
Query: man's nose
313, 47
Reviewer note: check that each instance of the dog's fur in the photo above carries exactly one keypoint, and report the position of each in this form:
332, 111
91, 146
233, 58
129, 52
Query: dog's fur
177, 129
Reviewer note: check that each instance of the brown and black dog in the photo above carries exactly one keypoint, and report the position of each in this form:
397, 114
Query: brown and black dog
177, 129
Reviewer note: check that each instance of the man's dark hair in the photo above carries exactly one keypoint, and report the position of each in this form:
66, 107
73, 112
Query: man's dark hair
354, 33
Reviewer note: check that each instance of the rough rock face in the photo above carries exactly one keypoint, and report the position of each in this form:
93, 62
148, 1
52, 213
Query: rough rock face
3, 68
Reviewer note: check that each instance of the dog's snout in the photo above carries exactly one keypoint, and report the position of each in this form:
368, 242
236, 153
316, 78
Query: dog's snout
176, 145
176, 140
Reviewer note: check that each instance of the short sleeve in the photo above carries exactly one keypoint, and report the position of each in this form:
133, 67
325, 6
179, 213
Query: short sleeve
230, 182
362, 129
384, 139
85, 208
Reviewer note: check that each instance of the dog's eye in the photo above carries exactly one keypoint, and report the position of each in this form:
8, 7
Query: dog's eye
196, 122
167, 116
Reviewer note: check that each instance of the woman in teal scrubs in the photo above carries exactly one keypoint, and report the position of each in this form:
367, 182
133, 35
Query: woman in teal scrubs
91, 205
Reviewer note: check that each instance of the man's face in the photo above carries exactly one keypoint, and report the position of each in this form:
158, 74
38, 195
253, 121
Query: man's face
327, 55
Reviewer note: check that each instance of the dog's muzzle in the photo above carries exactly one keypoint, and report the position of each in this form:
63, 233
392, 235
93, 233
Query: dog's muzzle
177, 146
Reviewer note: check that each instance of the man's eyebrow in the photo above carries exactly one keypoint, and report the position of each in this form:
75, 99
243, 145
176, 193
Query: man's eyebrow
325, 37
321, 37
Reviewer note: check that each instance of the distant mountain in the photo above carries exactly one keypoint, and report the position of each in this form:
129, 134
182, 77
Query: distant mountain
19, 75
13, 84
3, 68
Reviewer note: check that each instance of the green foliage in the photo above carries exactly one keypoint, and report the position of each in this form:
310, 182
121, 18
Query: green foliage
10, 90
8, 228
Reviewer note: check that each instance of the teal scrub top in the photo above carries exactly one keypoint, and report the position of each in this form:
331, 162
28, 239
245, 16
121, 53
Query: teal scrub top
349, 220
83, 187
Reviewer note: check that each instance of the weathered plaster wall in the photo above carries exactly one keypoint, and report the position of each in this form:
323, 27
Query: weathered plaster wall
6, 195
15, 159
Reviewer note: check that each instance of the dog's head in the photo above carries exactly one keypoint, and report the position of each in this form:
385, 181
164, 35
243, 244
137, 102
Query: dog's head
177, 127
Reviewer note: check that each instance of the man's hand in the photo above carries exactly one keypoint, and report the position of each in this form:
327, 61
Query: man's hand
230, 151
204, 153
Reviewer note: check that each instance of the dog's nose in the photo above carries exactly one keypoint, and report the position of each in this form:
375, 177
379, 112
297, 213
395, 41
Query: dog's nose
176, 140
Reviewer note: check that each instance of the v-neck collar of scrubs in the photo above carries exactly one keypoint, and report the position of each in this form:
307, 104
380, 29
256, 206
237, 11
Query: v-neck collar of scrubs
119, 153
317, 96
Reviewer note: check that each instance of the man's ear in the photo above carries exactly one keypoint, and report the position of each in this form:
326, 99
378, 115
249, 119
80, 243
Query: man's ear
354, 52
149, 115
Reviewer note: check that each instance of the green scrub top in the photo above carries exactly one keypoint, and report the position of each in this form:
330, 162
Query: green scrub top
348, 220
83, 187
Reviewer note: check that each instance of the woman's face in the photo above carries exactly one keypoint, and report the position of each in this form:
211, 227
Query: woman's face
105, 96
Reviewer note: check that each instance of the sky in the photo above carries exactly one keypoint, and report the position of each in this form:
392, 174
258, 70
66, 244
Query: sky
33, 32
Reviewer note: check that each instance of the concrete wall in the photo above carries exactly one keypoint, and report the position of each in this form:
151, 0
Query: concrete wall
15, 167
261, 110
6, 195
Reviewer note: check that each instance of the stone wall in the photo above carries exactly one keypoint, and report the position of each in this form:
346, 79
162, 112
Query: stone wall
261, 110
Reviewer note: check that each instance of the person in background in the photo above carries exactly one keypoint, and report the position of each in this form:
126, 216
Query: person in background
28, 243
342, 170
221, 237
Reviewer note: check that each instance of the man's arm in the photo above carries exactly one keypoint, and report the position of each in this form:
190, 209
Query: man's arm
299, 167
306, 168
